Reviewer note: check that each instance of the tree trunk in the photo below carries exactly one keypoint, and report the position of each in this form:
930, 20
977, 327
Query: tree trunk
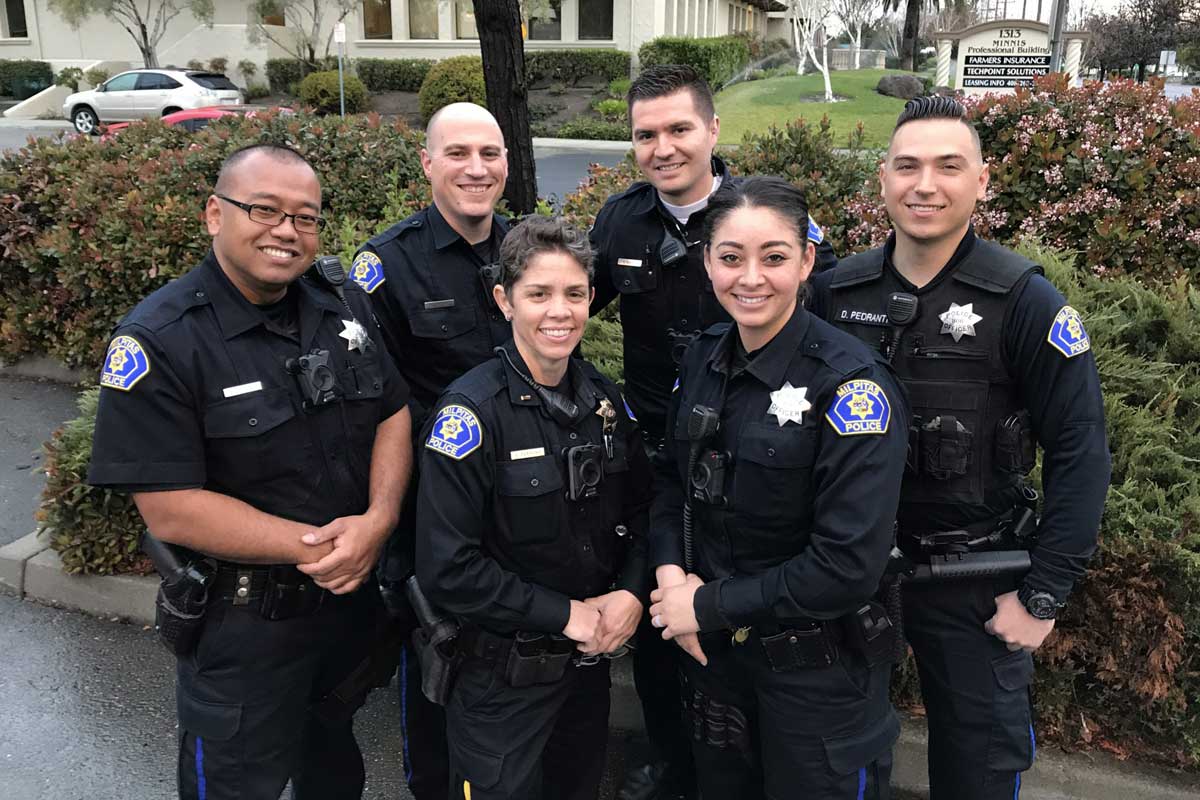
499, 25
858, 48
912, 24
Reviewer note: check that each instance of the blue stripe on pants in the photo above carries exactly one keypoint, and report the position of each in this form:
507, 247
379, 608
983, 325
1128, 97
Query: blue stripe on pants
404, 712
201, 784
1017, 790
862, 782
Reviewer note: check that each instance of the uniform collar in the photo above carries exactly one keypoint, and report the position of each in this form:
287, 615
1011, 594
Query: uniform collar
444, 235
520, 393
236, 315
772, 361
649, 203
965, 245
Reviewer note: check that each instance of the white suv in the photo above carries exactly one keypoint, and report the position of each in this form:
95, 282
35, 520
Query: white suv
148, 93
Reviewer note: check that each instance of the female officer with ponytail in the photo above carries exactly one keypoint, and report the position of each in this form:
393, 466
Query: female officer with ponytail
773, 523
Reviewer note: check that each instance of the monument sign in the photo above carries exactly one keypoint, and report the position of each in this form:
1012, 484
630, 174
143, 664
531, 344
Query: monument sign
999, 56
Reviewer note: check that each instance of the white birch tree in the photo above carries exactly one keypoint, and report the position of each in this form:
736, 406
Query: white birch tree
810, 35
145, 21
855, 16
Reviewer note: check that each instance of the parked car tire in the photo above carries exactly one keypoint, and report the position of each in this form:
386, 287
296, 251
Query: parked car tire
170, 110
85, 120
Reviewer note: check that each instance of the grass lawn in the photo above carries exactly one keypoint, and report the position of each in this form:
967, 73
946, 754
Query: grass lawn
757, 105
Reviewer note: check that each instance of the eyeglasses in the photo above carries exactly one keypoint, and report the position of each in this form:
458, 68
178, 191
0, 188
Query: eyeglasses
271, 216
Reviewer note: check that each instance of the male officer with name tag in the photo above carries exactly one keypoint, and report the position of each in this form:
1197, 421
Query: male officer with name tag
430, 280
259, 423
995, 363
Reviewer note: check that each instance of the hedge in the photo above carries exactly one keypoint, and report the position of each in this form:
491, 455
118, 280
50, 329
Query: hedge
393, 74
572, 66
324, 92
87, 229
453, 80
285, 74
718, 59
24, 78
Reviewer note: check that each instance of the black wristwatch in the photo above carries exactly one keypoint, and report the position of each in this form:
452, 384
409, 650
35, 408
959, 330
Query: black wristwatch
1039, 604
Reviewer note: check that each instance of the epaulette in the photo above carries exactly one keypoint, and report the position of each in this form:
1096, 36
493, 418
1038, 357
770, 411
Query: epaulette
857, 269
716, 330
481, 383
168, 304
994, 268
399, 229
841, 352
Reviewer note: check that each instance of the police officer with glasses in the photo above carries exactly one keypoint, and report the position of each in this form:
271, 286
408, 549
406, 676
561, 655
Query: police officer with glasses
531, 522
773, 523
263, 431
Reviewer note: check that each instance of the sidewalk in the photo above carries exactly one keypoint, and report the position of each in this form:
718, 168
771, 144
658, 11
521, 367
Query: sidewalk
29, 568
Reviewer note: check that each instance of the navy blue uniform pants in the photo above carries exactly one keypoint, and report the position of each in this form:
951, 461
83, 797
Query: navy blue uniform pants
656, 678
821, 734
543, 742
423, 727
245, 695
976, 691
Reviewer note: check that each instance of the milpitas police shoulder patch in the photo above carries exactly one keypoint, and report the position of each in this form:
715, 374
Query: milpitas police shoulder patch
125, 364
1067, 335
367, 271
456, 432
860, 407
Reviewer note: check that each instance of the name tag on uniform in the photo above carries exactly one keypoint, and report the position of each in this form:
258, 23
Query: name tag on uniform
432, 305
245, 388
629, 262
532, 452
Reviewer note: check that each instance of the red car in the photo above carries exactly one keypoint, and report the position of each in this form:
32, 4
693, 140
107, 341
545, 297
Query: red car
196, 118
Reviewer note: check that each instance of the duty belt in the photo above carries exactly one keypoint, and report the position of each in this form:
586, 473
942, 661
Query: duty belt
1010, 532
803, 644
495, 649
276, 592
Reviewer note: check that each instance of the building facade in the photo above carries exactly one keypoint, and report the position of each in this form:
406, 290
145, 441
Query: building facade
376, 29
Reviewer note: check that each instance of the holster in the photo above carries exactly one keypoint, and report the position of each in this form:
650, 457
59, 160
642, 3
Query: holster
537, 658
809, 647
870, 631
289, 593
178, 618
439, 665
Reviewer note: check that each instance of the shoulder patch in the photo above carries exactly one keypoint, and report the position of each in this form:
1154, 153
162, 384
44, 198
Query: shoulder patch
1067, 335
860, 407
125, 364
367, 271
815, 234
456, 432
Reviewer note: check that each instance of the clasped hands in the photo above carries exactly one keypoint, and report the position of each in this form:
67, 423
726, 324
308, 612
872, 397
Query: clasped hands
356, 542
673, 609
604, 623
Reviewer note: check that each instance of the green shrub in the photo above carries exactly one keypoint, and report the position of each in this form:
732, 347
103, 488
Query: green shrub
573, 66
247, 68
87, 230
94, 531
612, 109
718, 59
195, 63
619, 88
393, 74
24, 78
452, 80
285, 74
323, 91
598, 129
218, 64
257, 91
96, 76
69, 77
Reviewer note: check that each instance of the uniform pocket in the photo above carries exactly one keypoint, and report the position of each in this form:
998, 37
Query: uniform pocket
477, 767
217, 722
849, 754
529, 489
441, 323
1011, 745
636, 280
772, 474
254, 429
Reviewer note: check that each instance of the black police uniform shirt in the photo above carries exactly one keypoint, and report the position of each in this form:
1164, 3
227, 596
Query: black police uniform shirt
662, 307
437, 318
499, 541
812, 425
196, 392
989, 319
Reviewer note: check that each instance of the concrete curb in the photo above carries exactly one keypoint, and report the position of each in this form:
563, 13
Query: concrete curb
31, 569
40, 124
45, 368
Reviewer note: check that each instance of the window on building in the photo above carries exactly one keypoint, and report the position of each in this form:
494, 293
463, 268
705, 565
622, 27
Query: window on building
464, 20
596, 19
729, 22
14, 13
422, 19
377, 19
547, 24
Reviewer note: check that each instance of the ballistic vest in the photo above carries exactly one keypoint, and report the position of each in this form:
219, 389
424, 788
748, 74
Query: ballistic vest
969, 438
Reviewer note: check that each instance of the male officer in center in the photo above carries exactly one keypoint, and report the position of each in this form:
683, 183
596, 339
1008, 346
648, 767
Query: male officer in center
995, 363
650, 254
430, 280
258, 423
